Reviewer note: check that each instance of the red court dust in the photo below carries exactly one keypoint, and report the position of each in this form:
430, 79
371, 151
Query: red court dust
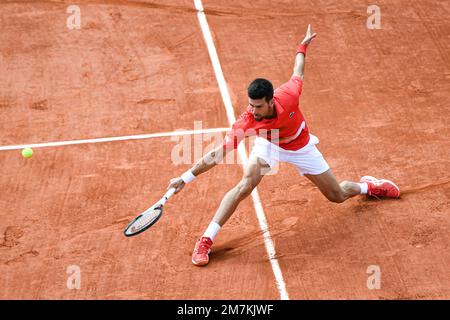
378, 99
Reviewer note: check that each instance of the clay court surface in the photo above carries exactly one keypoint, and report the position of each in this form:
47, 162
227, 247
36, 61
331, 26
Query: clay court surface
377, 99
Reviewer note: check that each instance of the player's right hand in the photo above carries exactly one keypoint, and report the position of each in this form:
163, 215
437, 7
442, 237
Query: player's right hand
176, 183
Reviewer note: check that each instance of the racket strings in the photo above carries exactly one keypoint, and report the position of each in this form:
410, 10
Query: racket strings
145, 220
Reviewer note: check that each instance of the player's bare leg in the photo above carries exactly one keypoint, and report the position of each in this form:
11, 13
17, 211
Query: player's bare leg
332, 189
253, 174
339, 192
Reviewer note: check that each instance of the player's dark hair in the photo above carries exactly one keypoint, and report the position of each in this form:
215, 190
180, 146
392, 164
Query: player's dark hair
260, 88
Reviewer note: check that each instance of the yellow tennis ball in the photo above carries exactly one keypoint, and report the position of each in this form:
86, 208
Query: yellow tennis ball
27, 153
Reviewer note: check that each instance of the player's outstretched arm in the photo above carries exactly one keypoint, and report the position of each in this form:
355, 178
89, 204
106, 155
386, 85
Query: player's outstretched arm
207, 162
299, 66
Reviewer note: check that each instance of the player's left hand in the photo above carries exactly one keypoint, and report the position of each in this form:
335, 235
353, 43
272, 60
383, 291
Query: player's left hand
309, 36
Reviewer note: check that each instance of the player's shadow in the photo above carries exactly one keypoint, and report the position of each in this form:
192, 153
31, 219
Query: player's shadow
237, 246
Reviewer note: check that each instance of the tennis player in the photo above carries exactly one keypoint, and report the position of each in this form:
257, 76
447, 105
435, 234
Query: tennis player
267, 110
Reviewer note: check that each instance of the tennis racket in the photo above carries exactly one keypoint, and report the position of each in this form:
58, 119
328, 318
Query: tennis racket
149, 217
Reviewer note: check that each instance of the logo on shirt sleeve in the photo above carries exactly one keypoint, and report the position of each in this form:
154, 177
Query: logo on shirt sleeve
291, 114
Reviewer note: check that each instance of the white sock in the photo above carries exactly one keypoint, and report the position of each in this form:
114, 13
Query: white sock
363, 186
212, 230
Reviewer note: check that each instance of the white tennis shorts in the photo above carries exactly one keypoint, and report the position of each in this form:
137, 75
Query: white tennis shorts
308, 160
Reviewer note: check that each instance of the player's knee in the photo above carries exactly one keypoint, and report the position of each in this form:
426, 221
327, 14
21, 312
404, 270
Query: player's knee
245, 187
335, 196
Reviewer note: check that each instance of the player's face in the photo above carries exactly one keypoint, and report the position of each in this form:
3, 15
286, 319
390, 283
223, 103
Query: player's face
261, 109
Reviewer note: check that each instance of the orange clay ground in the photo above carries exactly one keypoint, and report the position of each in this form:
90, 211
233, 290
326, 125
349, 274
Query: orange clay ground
377, 99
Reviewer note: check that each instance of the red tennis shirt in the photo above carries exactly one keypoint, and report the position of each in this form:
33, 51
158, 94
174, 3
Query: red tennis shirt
289, 122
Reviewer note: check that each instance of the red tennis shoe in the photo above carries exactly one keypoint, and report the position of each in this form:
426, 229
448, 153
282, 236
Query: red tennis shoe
200, 256
381, 187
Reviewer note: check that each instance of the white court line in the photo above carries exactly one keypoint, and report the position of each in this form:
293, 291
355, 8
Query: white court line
241, 149
122, 138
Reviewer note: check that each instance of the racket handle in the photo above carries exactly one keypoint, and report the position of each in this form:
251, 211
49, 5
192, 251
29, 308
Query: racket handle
167, 196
